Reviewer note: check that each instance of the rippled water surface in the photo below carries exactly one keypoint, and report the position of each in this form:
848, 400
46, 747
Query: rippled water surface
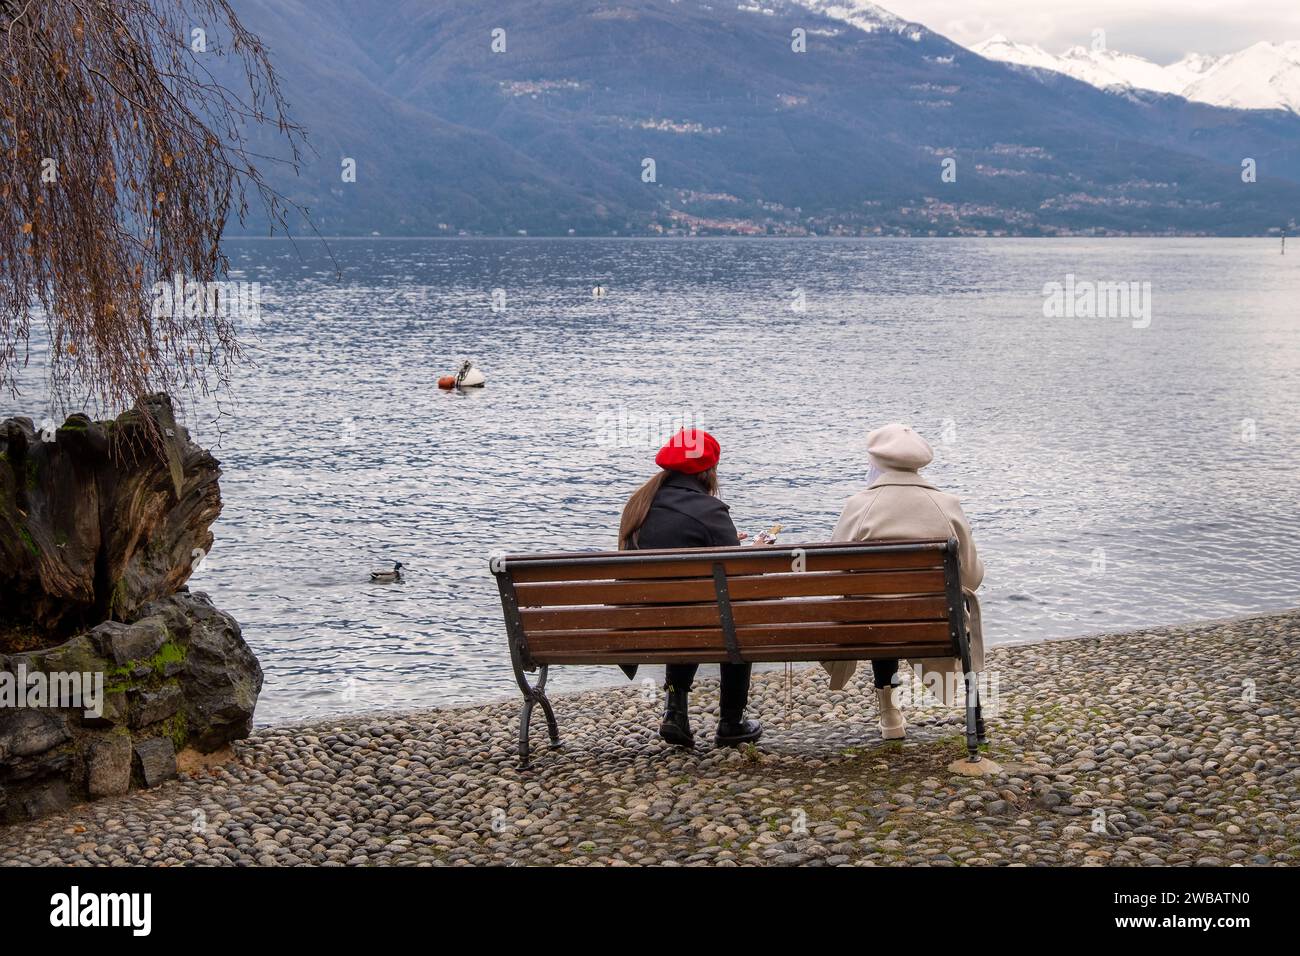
1114, 476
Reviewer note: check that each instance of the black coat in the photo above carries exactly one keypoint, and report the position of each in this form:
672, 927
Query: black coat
684, 515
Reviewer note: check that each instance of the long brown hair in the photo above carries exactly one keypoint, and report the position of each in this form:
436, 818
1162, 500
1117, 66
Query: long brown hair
638, 506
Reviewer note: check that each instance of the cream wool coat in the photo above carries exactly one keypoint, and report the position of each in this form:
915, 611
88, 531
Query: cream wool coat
903, 504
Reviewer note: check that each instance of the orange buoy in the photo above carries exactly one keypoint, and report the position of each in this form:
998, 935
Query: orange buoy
447, 381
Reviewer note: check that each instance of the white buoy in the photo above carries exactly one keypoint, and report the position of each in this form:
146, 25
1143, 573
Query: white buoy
599, 292
469, 376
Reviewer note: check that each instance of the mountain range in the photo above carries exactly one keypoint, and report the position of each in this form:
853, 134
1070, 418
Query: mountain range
770, 118
1262, 77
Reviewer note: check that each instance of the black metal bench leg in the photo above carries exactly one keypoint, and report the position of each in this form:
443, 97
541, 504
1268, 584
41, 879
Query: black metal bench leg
539, 694
525, 718
551, 725
981, 733
533, 695
972, 720
957, 615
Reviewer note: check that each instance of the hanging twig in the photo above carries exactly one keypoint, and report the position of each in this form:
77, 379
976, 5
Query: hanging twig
122, 160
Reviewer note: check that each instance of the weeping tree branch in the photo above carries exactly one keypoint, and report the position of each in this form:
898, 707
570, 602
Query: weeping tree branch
122, 158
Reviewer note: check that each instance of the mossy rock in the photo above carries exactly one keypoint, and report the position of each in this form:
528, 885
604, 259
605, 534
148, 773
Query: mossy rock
168, 659
78, 655
176, 729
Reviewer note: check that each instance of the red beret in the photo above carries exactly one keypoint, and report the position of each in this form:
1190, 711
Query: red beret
690, 451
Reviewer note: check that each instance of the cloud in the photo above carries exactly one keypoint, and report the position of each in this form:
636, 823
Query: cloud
1162, 30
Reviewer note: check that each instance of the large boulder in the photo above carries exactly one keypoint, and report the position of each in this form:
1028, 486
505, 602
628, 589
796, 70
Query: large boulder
218, 677
99, 518
109, 666
179, 678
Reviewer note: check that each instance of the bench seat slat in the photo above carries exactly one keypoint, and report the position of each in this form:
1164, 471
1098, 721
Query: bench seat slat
795, 584
749, 563
767, 653
877, 545
790, 611
542, 642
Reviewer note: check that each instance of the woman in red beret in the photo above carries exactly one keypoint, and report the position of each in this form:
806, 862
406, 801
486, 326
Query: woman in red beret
680, 508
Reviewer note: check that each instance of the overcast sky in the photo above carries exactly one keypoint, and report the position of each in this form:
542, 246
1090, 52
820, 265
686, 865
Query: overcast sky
1161, 30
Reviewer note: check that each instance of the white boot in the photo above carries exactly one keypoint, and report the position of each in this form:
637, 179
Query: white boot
893, 726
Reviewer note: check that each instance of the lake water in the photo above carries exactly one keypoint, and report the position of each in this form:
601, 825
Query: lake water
1115, 476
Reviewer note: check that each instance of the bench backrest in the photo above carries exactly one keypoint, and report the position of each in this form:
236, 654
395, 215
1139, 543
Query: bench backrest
814, 602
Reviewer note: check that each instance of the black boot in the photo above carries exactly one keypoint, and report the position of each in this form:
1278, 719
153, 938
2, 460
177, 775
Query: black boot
733, 728
676, 726
734, 731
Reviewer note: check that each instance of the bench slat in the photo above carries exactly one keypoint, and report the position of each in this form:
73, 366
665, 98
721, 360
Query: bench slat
791, 611
806, 584
705, 638
875, 545
766, 654
778, 562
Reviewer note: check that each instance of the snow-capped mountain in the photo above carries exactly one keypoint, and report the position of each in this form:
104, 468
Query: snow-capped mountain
1018, 54
1192, 67
1264, 76
864, 15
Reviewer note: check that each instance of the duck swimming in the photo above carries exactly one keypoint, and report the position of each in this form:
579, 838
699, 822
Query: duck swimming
393, 575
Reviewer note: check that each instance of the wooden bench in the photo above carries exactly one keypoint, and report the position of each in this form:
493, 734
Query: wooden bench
859, 601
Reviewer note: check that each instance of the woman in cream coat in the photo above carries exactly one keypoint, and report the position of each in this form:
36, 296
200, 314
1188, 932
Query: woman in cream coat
899, 503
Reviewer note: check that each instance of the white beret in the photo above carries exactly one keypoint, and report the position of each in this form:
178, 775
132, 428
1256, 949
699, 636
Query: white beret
897, 448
